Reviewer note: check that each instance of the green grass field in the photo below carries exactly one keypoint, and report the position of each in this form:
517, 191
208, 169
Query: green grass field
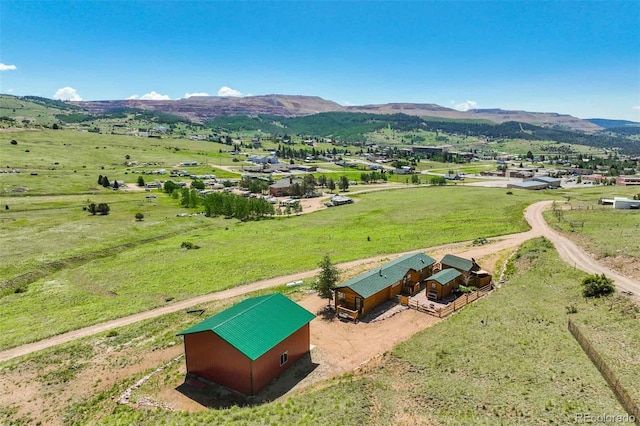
602, 230
143, 276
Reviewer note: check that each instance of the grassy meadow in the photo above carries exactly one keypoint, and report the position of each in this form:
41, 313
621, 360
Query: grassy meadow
600, 229
146, 274
505, 359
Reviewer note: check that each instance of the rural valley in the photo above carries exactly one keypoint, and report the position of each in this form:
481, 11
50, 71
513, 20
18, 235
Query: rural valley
461, 244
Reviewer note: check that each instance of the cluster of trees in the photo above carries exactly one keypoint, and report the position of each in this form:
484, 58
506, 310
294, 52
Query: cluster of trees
374, 176
241, 208
104, 181
189, 198
100, 208
253, 185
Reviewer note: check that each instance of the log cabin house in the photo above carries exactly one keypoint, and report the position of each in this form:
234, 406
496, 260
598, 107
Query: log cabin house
358, 296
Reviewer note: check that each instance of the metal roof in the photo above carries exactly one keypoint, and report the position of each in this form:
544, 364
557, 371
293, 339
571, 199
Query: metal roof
373, 281
457, 262
445, 276
256, 325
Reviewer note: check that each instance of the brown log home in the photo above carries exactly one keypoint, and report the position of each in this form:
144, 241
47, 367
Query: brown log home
358, 296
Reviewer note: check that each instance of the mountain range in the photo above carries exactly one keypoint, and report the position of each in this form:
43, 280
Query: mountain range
202, 108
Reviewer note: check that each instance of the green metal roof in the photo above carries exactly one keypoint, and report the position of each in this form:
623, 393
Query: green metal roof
373, 281
256, 325
445, 276
457, 262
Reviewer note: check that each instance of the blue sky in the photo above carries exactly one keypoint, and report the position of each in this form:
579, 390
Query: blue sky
578, 58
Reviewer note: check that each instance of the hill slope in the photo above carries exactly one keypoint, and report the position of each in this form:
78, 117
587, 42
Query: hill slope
201, 108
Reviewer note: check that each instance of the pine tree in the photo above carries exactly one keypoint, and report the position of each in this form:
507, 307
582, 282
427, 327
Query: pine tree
327, 279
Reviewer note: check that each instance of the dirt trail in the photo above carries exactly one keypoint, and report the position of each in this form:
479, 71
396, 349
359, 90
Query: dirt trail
568, 251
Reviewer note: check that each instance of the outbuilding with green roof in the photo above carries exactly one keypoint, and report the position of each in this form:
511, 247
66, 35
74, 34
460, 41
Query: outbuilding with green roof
441, 284
248, 345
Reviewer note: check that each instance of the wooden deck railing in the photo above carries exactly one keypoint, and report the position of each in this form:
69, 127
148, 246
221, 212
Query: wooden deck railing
454, 306
344, 312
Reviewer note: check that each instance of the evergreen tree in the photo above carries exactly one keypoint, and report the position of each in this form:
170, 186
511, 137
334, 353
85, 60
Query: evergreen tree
327, 279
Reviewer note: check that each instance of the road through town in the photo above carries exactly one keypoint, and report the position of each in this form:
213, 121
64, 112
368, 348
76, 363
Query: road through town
567, 250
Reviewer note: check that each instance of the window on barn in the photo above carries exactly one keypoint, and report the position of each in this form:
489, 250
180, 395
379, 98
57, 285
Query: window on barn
284, 357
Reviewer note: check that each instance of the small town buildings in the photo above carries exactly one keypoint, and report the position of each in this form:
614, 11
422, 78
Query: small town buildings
628, 180
443, 283
248, 345
359, 295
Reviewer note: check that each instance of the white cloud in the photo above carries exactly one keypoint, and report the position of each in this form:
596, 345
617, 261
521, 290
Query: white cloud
466, 106
154, 96
67, 94
188, 95
5, 67
635, 107
133, 97
228, 91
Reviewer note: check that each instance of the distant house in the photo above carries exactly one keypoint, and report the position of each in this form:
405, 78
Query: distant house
452, 176
550, 181
118, 184
628, 180
263, 159
531, 184
282, 187
248, 345
441, 284
594, 178
471, 272
358, 296
623, 203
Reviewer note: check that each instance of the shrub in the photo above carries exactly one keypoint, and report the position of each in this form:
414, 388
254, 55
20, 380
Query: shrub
14, 142
189, 245
597, 286
139, 216
571, 309
103, 209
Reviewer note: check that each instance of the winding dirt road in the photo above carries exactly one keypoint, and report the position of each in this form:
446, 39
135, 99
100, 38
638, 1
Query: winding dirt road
567, 250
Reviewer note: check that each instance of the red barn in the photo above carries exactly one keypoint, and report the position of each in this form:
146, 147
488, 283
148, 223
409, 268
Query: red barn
248, 345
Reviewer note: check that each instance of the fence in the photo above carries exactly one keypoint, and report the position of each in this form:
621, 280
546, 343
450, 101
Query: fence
621, 393
452, 307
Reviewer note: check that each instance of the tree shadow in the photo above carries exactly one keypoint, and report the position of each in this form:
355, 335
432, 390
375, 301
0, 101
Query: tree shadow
213, 395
